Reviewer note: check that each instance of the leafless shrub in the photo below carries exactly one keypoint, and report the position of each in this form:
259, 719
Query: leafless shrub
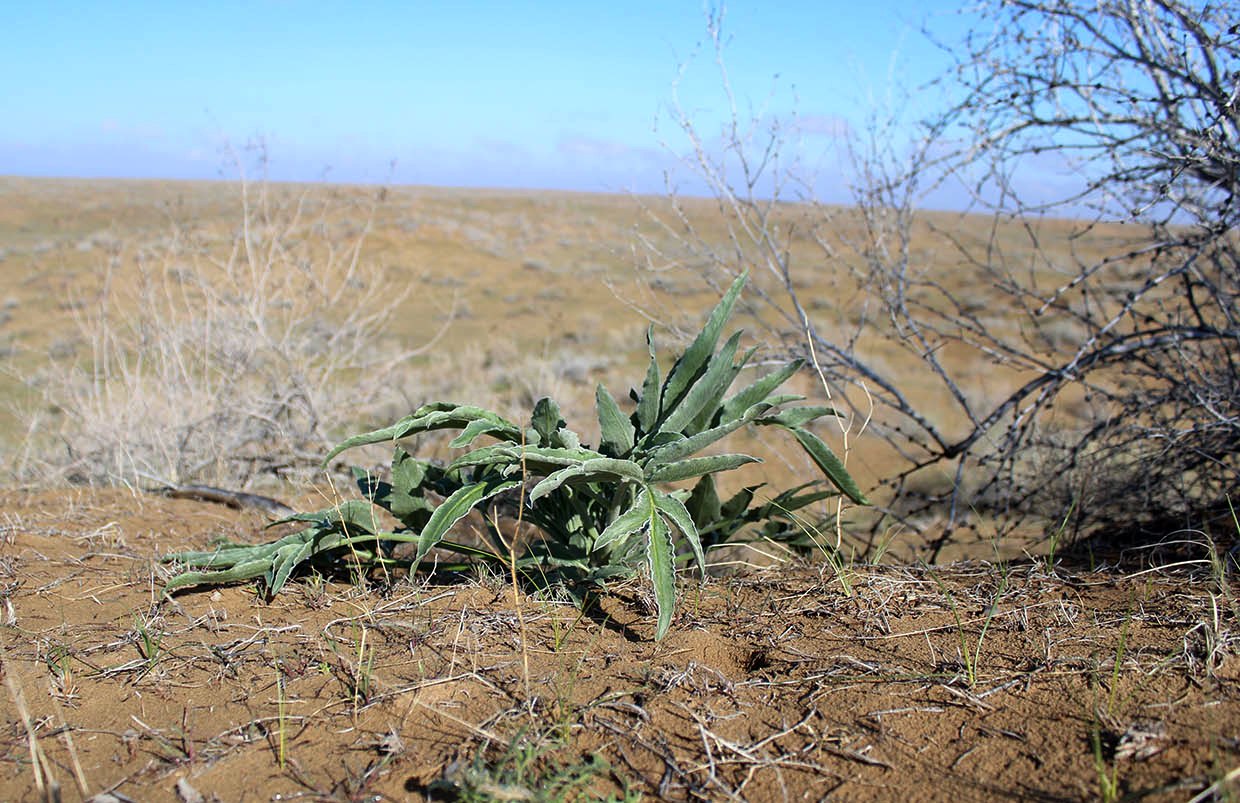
1059, 364
225, 357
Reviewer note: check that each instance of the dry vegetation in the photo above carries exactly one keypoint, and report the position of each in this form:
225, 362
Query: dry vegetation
1052, 677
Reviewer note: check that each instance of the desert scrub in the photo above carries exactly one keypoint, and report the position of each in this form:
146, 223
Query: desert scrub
221, 352
603, 512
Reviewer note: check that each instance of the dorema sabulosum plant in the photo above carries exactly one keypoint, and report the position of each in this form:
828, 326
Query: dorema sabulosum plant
603, 513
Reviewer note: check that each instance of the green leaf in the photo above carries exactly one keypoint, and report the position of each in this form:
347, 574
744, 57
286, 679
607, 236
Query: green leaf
535, 459
408, 476
616, 428
758, 391
660, 558
482, 426
497, 453
798, 416
705, 392
711, 412
429, 417
675, 510
601, 468
287, 559
648, 407
565, 438
792, 500
546, 420
356, 513
696, 443
689, 367
242, 571
455, 508
697, 466
703, 504
738, 503
626, 523
831, 465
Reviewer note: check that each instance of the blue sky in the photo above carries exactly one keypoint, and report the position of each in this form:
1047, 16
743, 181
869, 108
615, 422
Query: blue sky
541, 95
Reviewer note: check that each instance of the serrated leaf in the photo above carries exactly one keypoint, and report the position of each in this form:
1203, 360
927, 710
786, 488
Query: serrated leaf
791, 500
784, 398
830, 465
627, 523
697, 466
601, 468
675, 511
758, 391
455, 508
382, 435
227, 556
615, 427
497, 453
692, 363
660, 558
705, 392
648, 405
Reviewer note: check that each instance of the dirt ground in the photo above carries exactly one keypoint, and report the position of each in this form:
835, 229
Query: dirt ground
965, 682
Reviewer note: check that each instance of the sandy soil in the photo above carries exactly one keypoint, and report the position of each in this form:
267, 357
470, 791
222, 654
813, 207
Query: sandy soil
789, 684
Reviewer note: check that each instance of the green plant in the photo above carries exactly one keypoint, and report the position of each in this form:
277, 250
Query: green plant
149, 644
603, 512
972, 658
59, 660
1108, 775
525, 770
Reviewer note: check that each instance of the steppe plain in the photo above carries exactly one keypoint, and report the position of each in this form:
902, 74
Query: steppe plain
1006, 673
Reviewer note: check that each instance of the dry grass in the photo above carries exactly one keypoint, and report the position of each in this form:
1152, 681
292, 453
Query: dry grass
221, 356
